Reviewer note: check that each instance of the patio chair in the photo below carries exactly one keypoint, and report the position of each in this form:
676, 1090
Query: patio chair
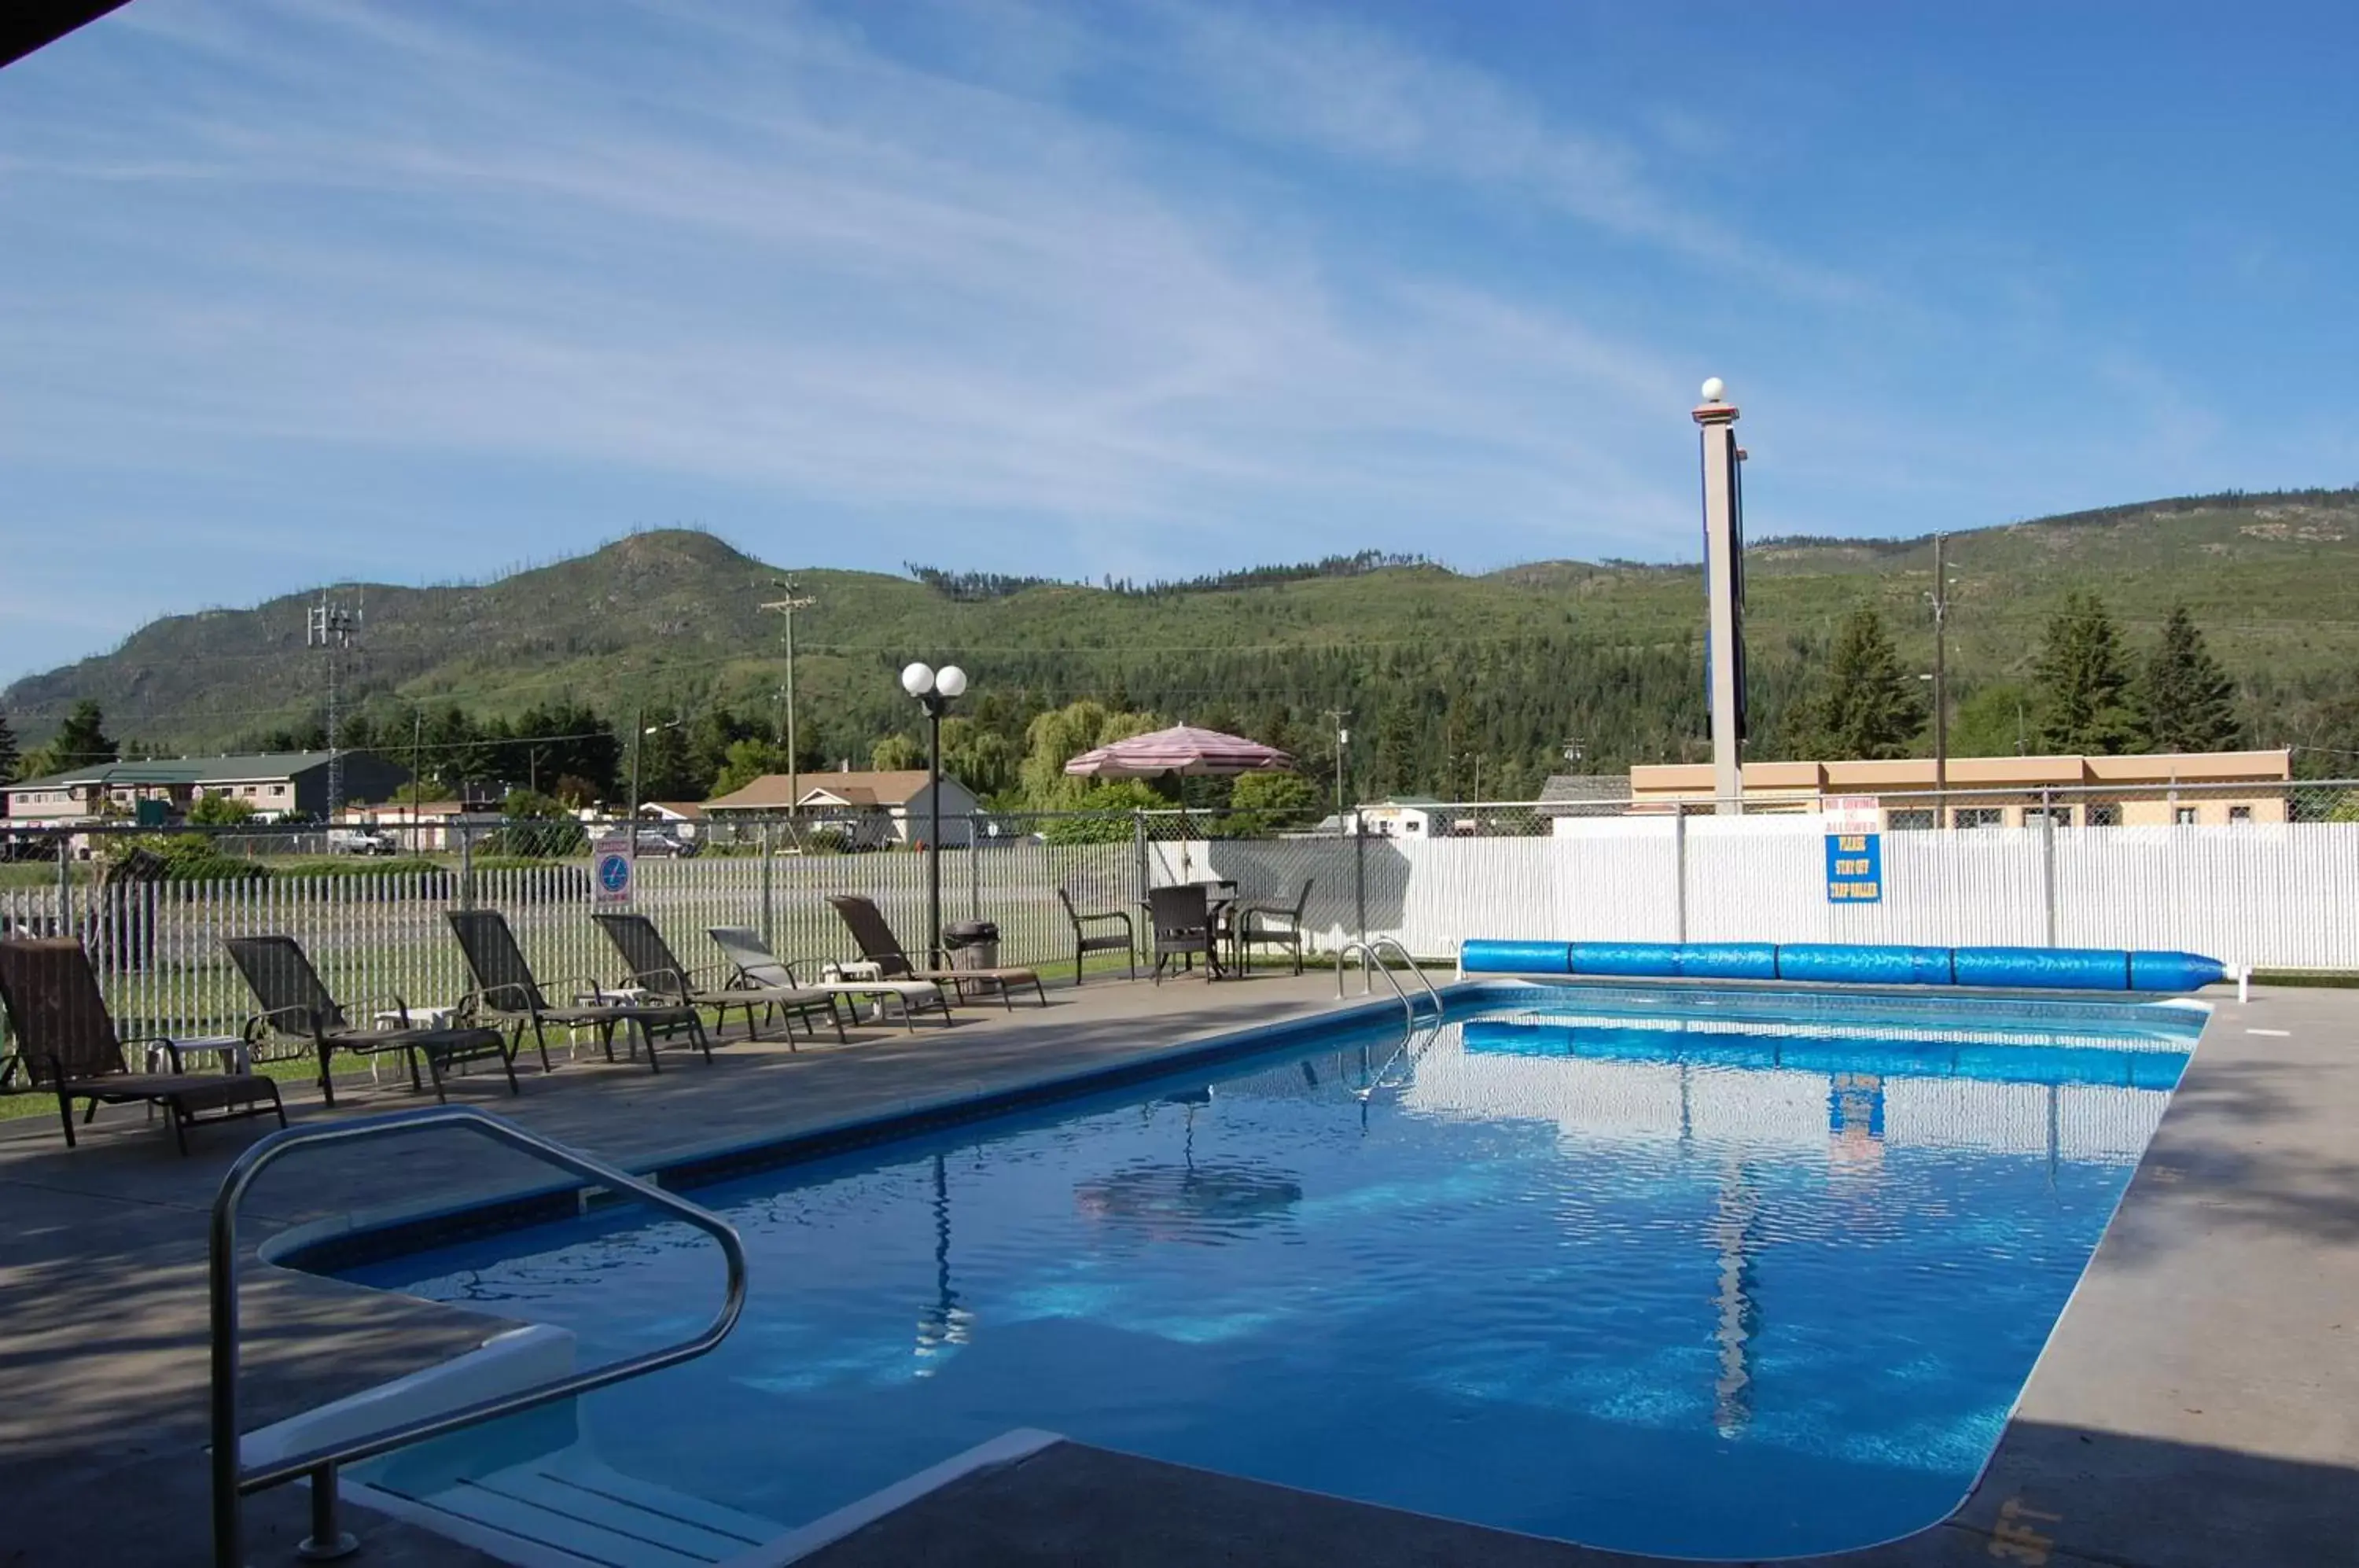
655, 968
507, 995
297, 1006
762, 968
1182, 918
70, 1046
879, 946
1270, 925
1085, 942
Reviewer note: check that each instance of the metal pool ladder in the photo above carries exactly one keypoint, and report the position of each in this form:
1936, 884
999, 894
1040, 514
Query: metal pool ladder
1372, 951
231, 1478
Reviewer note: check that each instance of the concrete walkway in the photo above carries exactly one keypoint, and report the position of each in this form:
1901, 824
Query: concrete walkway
103, 1362
2199, 1404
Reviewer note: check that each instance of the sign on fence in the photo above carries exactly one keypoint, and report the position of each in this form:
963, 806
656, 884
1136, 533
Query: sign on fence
610, 869
1854, 850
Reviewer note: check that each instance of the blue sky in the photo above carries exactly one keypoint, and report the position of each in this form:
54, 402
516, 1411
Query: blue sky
295, 293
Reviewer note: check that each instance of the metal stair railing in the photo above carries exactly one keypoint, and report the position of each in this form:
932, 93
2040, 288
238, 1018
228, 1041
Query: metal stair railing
1372, 951
231, 1480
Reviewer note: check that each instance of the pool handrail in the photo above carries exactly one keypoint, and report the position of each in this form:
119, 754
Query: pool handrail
1373, 950
231, 1480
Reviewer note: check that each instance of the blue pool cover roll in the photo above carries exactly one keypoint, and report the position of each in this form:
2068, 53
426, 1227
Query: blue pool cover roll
2012, 968
1659, 960
1819, 963
2043, 968
2174, 971
1494, 957
1728, 960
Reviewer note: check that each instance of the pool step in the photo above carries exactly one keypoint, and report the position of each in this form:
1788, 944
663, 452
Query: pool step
569, 1507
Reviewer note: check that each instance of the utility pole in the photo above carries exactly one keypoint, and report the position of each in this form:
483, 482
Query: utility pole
1343, 739
416, 773
794, 600
638, 744
330, 627
1939, 598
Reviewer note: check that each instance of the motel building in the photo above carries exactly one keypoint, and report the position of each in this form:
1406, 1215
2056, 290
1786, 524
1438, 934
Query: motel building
2219, 788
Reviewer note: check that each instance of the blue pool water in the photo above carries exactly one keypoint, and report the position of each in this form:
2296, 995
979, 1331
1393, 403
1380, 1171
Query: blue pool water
1682, 1274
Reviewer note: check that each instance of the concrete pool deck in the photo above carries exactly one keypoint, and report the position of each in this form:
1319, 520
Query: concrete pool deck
2199, 1403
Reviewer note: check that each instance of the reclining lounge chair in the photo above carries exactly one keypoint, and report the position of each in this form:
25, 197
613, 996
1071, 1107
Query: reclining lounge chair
761, 967
879, 946
297, 1006
655, 968
508, 996
70, 1046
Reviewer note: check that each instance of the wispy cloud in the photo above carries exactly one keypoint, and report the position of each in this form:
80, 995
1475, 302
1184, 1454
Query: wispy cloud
297, 288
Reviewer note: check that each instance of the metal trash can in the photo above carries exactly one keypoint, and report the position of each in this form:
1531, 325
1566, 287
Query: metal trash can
973, 944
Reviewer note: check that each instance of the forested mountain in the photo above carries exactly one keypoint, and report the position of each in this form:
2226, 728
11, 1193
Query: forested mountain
1436, 668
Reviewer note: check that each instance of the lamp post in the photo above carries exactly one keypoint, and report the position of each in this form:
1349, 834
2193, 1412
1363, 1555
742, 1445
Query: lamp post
934, 689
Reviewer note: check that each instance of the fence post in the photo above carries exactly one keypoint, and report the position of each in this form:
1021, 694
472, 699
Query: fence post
65, 879
974, 867
466, 867
1138, 852
2047, 861
1678, 872
769, 853
1360, 877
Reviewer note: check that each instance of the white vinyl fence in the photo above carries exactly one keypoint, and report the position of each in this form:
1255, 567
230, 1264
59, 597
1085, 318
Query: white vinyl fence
2275, 894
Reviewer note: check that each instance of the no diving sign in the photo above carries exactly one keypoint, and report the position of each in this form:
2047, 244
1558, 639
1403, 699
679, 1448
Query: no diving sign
610, 870
1855, 850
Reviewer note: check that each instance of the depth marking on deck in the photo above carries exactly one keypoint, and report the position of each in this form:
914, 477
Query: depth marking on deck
2275, 1034
2014, 1538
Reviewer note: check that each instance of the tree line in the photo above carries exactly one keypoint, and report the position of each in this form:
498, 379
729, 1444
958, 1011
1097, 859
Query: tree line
2088, 694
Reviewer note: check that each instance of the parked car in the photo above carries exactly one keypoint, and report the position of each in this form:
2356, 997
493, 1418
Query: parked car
360, 840
655, 841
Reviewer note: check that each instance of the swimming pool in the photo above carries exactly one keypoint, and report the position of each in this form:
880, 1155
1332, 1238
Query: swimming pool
1675, 1271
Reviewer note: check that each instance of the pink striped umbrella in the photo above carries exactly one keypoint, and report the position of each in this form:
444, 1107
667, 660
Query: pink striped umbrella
1180, 749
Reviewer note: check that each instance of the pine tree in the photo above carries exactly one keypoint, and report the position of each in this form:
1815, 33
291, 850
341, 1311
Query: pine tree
82, 739
2186, 700
9, 757
2084, 690
1868, 707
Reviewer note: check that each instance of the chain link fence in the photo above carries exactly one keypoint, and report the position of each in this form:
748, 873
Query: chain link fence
2257, 873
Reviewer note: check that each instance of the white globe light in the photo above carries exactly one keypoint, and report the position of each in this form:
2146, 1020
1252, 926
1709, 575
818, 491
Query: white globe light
951, 681
917, 680
1714, 390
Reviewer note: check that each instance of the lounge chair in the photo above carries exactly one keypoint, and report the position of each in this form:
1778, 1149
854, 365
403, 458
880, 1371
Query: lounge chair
1270, 925
297, 1006
758, 966
655, 969
882, 948
507, 995
70, 1046
1085, 941
1182, 917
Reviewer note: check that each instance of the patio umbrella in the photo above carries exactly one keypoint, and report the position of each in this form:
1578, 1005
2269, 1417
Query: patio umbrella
1182, 749
1187, 751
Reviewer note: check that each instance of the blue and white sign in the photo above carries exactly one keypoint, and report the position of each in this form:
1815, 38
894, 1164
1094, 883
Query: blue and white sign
610, 869
1855, 852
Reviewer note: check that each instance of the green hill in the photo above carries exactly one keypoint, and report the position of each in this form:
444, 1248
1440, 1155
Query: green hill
1434, 664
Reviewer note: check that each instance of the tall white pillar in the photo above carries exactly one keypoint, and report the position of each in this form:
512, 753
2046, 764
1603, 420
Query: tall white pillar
1723, 588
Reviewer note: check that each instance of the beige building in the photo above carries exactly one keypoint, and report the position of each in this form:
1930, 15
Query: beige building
2186, 788
874, 809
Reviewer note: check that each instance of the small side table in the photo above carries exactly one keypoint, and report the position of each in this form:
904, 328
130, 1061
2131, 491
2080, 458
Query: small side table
230, 1050
419, 1018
